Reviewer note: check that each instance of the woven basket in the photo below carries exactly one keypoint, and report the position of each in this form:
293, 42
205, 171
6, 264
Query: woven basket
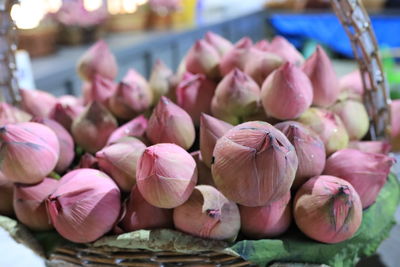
358, 27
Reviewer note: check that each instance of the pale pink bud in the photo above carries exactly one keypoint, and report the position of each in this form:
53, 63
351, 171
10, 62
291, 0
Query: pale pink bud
161, 81
262, 45
88, 161
98, 60
203, 58
6, 196
351, 86
236, 57
280, 46
37, 103
325, 83
101, 90
11, 114
170, 124
221, 44
204, 175
395, 124
166, 175
30, 151
92, 128
65, 114
380, 147
135, 128
85, 206
135, 78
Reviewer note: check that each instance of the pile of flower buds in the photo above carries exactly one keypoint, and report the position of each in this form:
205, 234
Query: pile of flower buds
278, 137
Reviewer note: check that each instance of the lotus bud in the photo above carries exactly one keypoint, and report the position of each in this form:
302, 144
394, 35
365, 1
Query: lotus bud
236, 96
141, 215
65, 114
37, 103
166, 175
98, 60
6, 197
261, 64
93, 127
70, 100
266, 221
85, 206
380, 147
320, 70
135, 128
310, 150
88, 161
280, 46
194, 94
135, 78
208, 214
262, 154
203, 172
351, 86
30, 206
328, 126
10, 114
170, 124
366, 172
354, 117
211, 129
221, 44
286, 93
327, 209
236, 57
120, 162
101, 90
161, 81
203, 58
66, 142
29, 152
395, 124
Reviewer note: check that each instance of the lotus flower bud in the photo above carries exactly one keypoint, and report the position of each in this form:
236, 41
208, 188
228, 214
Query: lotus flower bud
66, 142
30, 206
133, 77
280, 46
65, 114
98, 59
328, 126
70, 100
88, 161
286, 93
6, 197
135, 128
320, 70
93, 127
327, 209
366, 172
170, 124
161, 81
203, 172
166, 175
266, 221
221, 44
194, 94
351, 86
29, 151
262, 45
85, 206
211, 129
261, 64
203, 58
395, 124
354, 117
236, 96
380, 147
310, 150
141, 215
236, 57
262, 154
208, 214
10, 114
37, 103
101, 90
120, 162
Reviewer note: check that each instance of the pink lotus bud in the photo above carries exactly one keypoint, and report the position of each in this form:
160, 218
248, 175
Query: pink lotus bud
30, 206
194, 94
203, 172
236, 57
29, 151
395, 124
328, 126
65, 114
310, 150
266, 221
37, 103
354, 117
286, 93
203, 58
132, 77
262, 45
380, 147
325, 83
6, 197
367, 172
161, 81
11, 114
208, 214
120, 162
166, 175
262, 154
135, 128
327, 209
85, 206
98, 60
88, 161
92, 128
280, 46
211, 129
351, 86
142, 215
236, 96
70, 100
221, 44
101, 90
170, 124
